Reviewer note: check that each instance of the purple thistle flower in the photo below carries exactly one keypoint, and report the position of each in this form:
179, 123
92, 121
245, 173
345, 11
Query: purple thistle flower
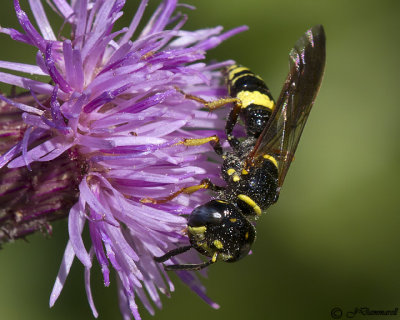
102, 135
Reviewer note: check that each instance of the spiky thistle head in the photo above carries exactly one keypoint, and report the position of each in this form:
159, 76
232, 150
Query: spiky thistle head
102, 134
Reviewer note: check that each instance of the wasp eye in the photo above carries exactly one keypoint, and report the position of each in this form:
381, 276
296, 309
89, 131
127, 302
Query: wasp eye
210, 213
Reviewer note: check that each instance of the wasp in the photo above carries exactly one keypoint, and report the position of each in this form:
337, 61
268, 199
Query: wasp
255, 167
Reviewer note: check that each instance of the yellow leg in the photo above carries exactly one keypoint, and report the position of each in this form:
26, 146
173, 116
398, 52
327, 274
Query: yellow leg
213, 140
211, 105
199, 141
205, 184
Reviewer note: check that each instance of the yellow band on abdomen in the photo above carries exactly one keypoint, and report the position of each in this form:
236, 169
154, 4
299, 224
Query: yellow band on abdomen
272, 159
232, 71
255, 97
251, 203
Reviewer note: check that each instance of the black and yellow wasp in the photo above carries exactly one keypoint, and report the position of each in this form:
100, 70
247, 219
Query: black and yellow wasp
256, 166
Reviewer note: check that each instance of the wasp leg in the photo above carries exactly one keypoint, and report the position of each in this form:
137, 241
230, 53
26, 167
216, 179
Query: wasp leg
13, 92
204, 184
211, 105
192, 267
172, 253
230, 124
213, 140
216, 104
188, 267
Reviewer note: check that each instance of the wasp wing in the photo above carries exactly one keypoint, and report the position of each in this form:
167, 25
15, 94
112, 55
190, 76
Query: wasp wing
283, 130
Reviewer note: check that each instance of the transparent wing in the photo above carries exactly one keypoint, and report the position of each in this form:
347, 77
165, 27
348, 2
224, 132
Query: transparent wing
282, 132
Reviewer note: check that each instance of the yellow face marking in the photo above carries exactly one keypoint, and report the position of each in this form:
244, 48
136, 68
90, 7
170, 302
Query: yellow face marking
271, 158
197, 230
256, 97
233, 71
244, 171
218, 244
225, 257
205, 247
233, 220
230, 172
236, 178
251, 203
246, 236
220, 201
214, 257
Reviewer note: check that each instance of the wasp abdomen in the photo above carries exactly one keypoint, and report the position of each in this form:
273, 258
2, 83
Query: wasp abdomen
257, 103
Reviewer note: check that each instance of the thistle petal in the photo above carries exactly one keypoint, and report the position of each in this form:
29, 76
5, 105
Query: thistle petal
105, 134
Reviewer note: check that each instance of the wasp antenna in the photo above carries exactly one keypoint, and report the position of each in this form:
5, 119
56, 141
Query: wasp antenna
172, 253
188, 267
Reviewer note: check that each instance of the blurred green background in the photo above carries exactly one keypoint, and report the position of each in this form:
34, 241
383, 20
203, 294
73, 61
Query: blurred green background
332, 239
